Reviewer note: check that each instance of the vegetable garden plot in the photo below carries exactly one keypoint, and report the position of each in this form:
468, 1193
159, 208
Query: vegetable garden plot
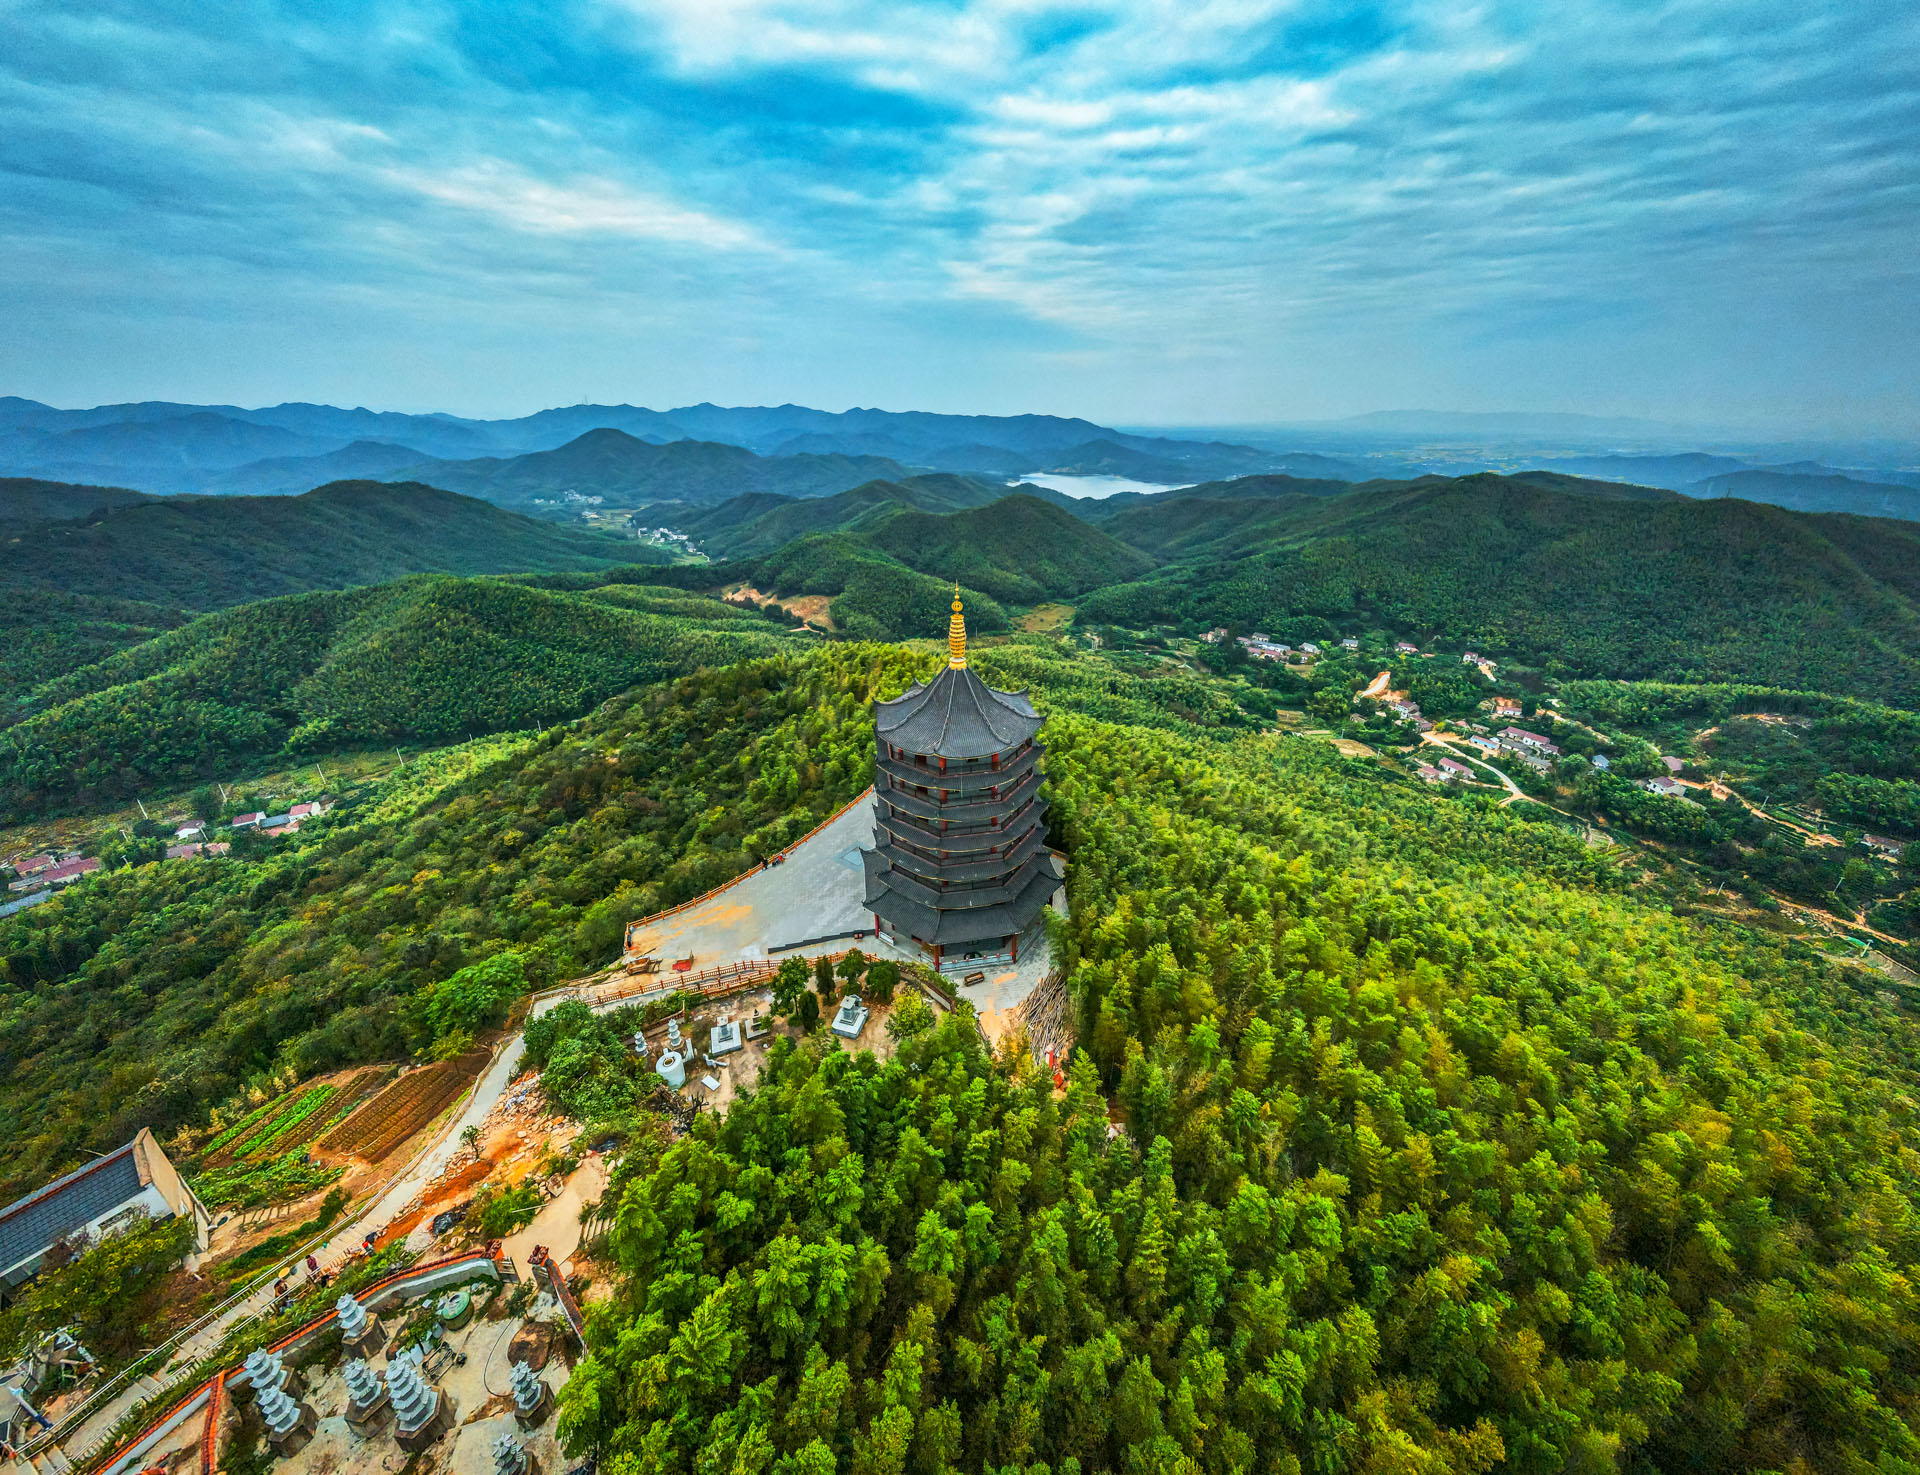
407, 1105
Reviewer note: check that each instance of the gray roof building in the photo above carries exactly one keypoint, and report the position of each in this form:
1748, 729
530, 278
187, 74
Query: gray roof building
96, 1200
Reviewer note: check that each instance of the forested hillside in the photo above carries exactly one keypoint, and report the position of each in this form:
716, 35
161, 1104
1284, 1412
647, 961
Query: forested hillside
1439, 1148
888, 560
25, 501
762, 522
205, 553
78, 590
428, 658
873, 596
1020, 550
1596, 583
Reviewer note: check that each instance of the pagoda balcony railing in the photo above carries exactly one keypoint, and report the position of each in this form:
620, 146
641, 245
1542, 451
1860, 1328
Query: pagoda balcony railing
988, 763
970, 810
963, 869
914, 830
959, 778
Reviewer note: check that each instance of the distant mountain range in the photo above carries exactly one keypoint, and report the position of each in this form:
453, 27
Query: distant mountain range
161, 447
707, 454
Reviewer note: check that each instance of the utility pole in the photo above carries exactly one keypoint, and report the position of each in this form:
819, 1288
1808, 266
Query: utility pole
143, 808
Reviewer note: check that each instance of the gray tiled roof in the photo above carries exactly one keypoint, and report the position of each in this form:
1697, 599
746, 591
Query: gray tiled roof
29, 1225
956, 715
955, 929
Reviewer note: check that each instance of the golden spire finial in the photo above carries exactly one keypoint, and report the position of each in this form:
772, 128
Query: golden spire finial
957, 634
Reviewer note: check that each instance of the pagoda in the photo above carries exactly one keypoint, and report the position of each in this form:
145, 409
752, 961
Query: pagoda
960, 865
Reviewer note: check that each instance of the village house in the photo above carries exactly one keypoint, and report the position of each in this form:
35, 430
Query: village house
32, 865
102, 1198
1484, 744
1456, 771
1307, 647
1215, 635
1429, 774
1519, 739
307, 810
1674, 765
248, 821
190, 831
1405, 648
1602, 762
64, 872
195, 847
1506, 706
1668, 787
1350, 643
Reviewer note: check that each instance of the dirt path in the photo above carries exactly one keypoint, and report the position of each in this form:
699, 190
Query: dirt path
557, 1225
1379, 686
1514, 791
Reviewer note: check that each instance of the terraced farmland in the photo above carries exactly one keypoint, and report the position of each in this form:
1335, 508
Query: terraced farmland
415, 1099
354, 1090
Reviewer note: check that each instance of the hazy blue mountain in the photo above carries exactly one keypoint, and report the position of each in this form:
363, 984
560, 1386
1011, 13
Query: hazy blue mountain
1675, 473
614, 465
159, 446
1814, 493
204, 440
1518, 424
1886, 476
291, 475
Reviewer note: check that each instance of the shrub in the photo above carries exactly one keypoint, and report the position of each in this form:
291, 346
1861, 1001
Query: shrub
883, 977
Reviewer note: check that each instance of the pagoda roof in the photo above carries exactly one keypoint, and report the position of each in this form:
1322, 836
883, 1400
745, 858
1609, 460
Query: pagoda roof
948, 928
956, 715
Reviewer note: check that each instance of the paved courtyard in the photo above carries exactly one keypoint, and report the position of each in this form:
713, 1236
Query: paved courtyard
817, 893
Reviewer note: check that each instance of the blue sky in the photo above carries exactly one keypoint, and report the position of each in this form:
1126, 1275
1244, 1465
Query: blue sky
1183, 212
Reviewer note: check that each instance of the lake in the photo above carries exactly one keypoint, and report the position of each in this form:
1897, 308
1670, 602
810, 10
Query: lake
1094, 487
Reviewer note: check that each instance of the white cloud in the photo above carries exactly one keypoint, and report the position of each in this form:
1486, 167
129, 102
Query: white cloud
583, 206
